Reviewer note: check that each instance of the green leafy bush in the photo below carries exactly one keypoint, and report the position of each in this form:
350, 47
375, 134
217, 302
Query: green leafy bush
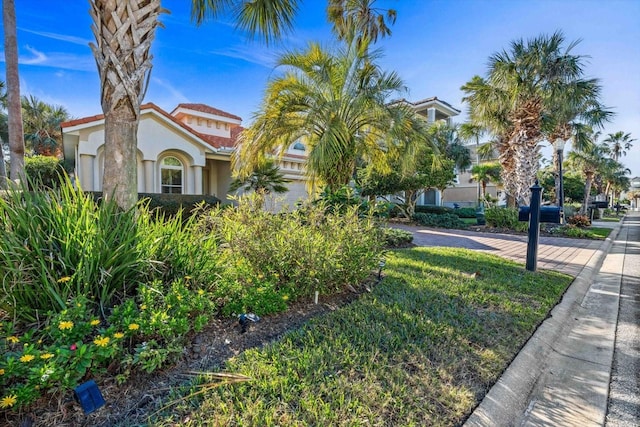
465, 212
44, 172
432, 209
439, 220
394, 237
502, 217
305, 250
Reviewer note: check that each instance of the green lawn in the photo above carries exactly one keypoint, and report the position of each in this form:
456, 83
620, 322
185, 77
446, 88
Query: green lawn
598, 232
423, 348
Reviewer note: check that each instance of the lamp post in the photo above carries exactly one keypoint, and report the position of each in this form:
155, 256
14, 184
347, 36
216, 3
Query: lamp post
558, 145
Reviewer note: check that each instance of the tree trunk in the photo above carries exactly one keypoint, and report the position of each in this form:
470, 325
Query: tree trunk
123, 31
587, 193
14, 107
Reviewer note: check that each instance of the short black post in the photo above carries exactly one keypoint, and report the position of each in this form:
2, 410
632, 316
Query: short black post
534, 226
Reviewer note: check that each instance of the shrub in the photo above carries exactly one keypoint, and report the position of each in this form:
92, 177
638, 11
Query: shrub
169, 205
44, 172
433, 209
465, 212
394, 237
300, 251
579, 220
502, 217
439, 220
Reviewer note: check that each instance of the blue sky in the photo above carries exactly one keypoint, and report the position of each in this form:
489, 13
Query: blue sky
436, 46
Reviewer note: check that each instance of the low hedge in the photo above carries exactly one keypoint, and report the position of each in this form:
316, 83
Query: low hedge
170, 204
433, 209
446, 220
465, 212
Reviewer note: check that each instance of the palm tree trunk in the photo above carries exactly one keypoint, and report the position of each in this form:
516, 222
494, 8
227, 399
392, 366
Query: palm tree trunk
123, 31
14, 107
587, 193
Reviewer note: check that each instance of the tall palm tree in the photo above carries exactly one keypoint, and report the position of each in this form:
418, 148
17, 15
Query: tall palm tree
16, 141
338, 106
619, 143
356, 20
519, 102
589, 161
124, 31
4, 134
42, 126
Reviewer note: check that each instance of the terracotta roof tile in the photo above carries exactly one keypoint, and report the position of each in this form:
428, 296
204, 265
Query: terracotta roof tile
203, 108
214, 141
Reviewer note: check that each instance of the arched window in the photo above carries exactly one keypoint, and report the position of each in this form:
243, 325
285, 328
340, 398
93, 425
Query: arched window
171, 173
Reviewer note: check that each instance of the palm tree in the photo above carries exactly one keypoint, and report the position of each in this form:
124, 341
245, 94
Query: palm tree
589, 161
484, 174
619, 143
519, 102
42, 126
4, 135
16, 141
265, 179
338, 106
356, 20
124, 31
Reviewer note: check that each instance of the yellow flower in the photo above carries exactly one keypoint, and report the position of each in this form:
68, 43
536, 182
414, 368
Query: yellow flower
13, 339
200, 292
65, 325
143, 307
134, 327
101, 341
179, 297
27, 358
46, 356
95, 322
187, 277
64, 279
118, 335
1, 371
8, 401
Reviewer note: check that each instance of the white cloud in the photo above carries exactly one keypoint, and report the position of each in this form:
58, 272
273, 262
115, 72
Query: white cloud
37, 58
62, 37
177, 96
263, 57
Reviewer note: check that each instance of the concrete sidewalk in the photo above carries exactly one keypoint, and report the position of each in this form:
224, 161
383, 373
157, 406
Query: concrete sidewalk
561, 376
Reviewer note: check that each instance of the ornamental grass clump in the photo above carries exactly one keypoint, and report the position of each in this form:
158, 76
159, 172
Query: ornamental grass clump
55, 245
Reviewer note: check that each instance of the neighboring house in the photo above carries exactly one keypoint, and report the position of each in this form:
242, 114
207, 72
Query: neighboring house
187, 151
465, 193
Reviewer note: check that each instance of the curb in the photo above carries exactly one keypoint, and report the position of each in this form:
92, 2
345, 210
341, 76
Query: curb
508, 399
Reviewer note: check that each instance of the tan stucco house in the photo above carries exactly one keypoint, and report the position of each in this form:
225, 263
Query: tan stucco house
186, 151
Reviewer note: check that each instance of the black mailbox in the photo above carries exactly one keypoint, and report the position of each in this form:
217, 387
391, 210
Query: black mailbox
547, 214
550, 214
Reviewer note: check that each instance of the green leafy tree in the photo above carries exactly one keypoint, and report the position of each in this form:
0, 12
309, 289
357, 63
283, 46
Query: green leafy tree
619, 143
337, 104
590, 161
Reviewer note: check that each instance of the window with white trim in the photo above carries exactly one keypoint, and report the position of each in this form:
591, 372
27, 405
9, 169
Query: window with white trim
171, 175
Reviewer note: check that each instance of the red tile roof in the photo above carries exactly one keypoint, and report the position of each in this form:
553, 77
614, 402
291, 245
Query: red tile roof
203, 108
214, 141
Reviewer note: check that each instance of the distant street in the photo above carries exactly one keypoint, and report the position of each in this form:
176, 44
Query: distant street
624, 392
